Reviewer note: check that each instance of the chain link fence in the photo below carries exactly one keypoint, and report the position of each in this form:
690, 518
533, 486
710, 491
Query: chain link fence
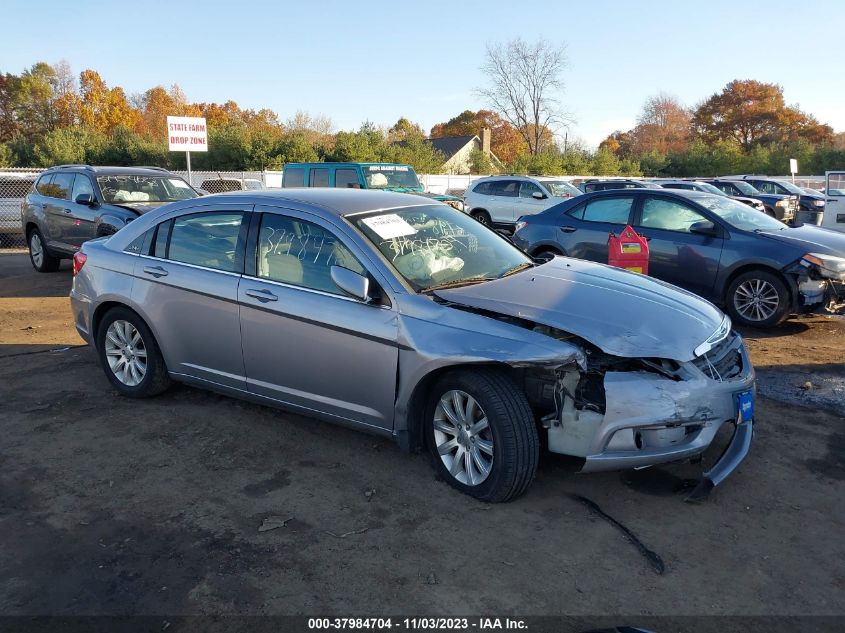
15, 183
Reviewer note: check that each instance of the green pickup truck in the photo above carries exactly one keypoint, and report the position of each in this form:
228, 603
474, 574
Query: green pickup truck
386, 176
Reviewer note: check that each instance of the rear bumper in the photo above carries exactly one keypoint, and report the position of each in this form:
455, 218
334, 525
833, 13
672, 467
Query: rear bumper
81, 309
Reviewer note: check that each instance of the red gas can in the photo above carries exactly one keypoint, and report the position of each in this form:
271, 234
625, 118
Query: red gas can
628, 251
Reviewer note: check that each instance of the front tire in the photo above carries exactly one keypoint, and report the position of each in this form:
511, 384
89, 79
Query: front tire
481, 434
130, 355
41, 259
757, 298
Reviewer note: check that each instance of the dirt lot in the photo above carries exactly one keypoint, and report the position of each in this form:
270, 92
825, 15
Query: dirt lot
114, 506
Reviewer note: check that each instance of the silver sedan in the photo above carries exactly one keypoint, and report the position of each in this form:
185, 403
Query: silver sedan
407, 318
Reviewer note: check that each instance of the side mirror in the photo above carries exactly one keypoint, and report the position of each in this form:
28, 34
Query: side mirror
704, 227
353, 284
86, 198
537, 195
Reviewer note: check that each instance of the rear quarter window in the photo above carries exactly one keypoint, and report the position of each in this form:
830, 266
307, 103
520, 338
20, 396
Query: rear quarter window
43, 183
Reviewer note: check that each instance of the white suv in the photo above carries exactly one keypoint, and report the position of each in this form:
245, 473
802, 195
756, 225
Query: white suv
501, 200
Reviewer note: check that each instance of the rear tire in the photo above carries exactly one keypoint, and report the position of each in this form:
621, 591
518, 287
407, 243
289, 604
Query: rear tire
483, 217
42, 260
488, 449
130, 355
757, 298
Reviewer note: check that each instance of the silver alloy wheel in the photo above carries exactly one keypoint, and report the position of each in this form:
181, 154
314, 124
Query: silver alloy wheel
463, 437
36, 249
126, 353
756, 299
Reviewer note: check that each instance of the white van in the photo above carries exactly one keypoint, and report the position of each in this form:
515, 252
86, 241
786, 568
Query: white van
834, 207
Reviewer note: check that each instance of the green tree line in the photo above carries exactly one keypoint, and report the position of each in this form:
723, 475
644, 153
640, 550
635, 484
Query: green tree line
50, 116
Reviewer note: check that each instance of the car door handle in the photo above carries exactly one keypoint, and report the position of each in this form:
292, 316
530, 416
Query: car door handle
568, 229
262, 295
67, 211
155, 271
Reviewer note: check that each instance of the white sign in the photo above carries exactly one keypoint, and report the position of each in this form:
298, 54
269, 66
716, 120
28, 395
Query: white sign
187, 134
793, 166
389, 226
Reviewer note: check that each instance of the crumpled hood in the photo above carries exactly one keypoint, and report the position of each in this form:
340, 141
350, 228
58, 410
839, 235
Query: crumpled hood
811, 239
622, 313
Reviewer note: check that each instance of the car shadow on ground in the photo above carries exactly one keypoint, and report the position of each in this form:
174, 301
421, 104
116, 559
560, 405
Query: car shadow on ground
19, 279
787, 328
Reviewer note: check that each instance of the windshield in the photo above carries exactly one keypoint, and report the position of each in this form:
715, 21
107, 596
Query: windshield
135, 188
561, 188
391, 177
436, 245
740, 215
790, 187
706, 186
746, 188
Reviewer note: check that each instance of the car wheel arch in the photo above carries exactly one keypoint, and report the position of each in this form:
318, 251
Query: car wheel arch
412, 437
791, 287
555, 248
107, 306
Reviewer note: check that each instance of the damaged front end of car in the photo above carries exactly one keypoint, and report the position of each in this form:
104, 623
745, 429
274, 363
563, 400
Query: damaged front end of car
820, 282
628, 413
660, 370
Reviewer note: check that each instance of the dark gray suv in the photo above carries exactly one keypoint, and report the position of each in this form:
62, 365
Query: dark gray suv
71, 204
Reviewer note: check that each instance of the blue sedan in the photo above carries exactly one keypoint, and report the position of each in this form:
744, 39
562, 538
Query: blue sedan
759, 269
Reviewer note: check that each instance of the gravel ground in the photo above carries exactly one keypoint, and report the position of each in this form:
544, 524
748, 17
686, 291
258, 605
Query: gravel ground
193, 503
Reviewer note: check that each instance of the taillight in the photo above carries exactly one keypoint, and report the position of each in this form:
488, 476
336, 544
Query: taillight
79, 259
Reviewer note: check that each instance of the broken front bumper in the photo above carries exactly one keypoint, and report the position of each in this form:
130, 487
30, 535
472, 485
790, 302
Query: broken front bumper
651, 419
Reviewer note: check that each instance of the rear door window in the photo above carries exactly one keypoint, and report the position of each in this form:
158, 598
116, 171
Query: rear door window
607, 210
346, 178
210, 240
60, 186
319, 177
505, 188
293, 177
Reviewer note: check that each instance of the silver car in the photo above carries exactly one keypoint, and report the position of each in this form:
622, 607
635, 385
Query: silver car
402, 316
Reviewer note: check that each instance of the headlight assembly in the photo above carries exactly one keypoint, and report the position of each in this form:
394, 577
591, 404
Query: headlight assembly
828, 266
818, 203
717, 337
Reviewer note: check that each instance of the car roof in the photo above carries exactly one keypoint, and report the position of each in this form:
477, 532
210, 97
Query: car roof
113, 171
340, 202
648, 191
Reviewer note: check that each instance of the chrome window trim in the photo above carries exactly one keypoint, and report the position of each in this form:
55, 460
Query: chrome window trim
314, 291
198, 267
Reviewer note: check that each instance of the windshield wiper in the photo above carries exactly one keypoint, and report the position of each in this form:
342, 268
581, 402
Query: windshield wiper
516, 269
458, 282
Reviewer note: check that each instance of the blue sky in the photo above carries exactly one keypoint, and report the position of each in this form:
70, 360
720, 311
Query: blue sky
377, 61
